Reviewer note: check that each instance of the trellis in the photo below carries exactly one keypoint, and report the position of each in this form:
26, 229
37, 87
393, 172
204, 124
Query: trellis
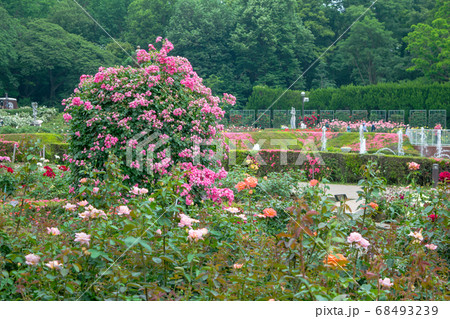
359, 115
417, 118
396, 116
437, 117
342, 115
326, 114
263, 118
281, 117
377, 115
242, 117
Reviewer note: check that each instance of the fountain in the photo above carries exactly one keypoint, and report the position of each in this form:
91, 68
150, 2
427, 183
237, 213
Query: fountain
423, 142
439, 144
362, 141
400, 143
324, 139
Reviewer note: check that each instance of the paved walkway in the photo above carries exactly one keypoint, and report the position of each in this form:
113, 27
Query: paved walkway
349, 190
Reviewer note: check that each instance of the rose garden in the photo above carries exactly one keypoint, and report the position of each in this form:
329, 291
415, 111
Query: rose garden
155, 198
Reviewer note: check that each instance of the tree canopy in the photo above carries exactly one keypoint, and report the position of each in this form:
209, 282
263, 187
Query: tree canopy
233, 45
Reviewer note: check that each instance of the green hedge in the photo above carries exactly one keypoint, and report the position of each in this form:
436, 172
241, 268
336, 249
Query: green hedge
54, 144
345, 167
385, 96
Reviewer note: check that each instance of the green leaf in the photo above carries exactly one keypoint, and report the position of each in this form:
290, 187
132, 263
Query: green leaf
157, 260
77, 267
322, 225
338, 240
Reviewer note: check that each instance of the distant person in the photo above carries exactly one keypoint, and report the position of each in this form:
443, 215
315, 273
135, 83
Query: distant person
349, 129
373, 128
364, 127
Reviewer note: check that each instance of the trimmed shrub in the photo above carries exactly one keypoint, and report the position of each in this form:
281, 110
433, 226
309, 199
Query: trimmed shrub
345, 167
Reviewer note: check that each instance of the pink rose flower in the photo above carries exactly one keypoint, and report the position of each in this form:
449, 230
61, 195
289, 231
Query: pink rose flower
53, 231
82, 238
197, 234
95, 190
70, 207
238, 266
186, 221
356, 238
431, 246
54, 264
83, 203
123, 210
159, 232
32, 259
386, 282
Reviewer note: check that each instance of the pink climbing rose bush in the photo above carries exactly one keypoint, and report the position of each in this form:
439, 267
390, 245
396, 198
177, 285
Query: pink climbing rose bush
153, 117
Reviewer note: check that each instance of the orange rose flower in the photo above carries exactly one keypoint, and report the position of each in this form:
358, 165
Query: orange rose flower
313, 182
373, 205
240, 186
270, 212
335, 261
251, 181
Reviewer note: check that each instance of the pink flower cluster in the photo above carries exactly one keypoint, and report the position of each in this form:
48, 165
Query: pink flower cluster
197, 234
413, 166
117, 103
185, 220
356, 238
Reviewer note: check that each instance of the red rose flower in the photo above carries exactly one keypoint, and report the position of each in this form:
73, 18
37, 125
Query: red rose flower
444, 177
49, 172
63, 168
433, 217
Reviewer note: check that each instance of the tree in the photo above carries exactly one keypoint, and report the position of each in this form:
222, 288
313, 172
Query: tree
200, 31
430, 45
73, 19
370, 50
9, 29
313, 15
147, 19
50, 58
271, 44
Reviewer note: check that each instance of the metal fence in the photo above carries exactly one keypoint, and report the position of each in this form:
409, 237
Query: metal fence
326, 114
377, 115
436, 117
417, 118
342, 115
277, 118
242, 117
359, 115
396, 116
281, 117
263, 118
